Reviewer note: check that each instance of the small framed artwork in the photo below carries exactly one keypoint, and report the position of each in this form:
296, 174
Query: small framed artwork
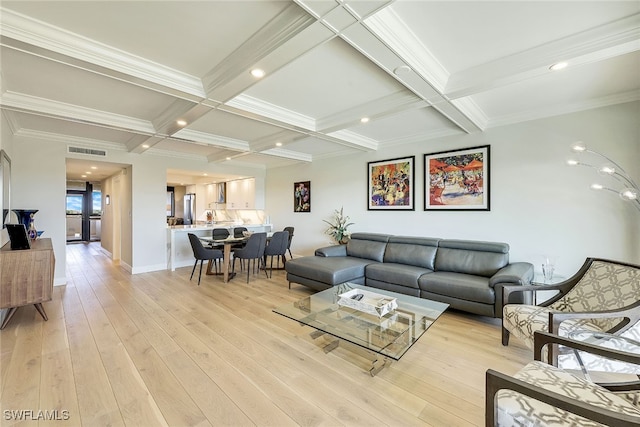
390, 184
221, 197
457, 180
302, 196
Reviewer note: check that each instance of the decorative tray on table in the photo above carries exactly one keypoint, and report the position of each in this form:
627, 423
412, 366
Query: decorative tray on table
368, 302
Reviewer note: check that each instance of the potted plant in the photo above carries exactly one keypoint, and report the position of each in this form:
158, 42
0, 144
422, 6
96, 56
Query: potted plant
338, 227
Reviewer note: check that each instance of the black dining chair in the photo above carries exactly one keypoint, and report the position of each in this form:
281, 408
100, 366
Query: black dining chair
290, 230
202, 254
277, 247
253, 250
239, 231
220, 233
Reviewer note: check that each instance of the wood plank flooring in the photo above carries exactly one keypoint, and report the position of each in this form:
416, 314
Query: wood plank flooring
155, 349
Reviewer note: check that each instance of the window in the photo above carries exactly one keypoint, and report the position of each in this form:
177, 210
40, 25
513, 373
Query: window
96, 208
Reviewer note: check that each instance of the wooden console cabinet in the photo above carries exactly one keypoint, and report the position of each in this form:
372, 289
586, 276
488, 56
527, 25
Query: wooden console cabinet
26, 277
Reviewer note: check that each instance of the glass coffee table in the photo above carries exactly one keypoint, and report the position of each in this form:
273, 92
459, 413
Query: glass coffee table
383, 338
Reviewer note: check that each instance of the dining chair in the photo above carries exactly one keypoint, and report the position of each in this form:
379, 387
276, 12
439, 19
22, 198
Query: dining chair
239, 231
220, 233
277, 247
253, 250
202, 254
290, 230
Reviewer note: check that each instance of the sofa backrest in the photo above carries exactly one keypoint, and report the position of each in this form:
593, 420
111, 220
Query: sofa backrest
471, 257
367, 245
418, 251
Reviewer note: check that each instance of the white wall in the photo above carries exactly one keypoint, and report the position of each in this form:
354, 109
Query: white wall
538, 204
39, 182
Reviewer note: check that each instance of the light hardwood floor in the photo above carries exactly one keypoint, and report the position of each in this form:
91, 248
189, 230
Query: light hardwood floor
155, 349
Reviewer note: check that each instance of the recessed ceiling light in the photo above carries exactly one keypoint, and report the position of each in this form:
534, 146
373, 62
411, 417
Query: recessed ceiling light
257, 73
181, 122
94, 167
364, 120
228, 158
205, 174
145, 145
83, 176
278, 144
558, 66
88, 173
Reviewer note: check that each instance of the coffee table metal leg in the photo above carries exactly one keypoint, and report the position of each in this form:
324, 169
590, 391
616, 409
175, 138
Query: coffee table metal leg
375, 369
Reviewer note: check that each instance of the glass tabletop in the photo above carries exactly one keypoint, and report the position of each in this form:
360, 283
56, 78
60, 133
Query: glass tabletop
603, 339
390, 335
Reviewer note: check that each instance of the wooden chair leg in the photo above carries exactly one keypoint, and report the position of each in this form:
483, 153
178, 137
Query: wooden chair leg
505, 336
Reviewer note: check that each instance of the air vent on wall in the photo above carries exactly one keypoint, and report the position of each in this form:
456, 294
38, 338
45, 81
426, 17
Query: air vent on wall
91, 152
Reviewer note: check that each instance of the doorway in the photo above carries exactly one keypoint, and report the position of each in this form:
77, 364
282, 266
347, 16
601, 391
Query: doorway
84, 212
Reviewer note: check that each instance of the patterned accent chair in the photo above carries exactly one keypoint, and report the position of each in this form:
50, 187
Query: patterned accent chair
603, 296
541, 394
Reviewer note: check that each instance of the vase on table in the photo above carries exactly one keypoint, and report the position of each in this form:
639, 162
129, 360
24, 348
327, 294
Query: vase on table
26, 217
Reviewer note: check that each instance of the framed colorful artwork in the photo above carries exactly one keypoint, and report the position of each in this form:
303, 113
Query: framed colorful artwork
390, 184
302, 196
457, 180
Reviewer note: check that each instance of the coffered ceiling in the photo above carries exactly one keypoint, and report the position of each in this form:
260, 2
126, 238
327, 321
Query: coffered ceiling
118, 75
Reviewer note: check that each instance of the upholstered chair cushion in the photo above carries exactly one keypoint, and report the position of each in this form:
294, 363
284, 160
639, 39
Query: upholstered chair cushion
515, 409
605, 286
523, 320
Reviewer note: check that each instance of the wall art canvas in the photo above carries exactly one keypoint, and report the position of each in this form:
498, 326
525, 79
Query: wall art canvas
391, 184
302, 196
457, 180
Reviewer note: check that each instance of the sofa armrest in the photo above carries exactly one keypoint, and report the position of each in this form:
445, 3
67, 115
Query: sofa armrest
335, 250
518, 273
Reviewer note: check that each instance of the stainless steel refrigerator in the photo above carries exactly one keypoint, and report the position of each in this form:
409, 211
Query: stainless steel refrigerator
189, 208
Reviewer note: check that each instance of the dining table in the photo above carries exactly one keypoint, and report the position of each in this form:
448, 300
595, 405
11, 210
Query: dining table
227, 243
226, 253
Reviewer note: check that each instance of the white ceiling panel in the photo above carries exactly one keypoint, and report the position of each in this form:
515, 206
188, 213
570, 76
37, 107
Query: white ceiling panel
341, 79
463, 34
120, 74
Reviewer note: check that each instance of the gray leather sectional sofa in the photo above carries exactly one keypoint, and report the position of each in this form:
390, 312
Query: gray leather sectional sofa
466, 274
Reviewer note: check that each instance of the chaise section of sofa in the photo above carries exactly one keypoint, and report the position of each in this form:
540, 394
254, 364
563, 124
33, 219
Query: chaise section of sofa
338, 264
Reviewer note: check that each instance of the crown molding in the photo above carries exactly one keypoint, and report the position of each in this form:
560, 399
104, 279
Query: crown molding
389, 28
76, 141
289, 23
613, 39
355, 140
271, 111
378, 108
188, 135
49, 37
288, 154
542, 113
47, 107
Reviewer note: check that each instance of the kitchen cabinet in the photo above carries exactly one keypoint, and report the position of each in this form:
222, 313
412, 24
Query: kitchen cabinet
241, 194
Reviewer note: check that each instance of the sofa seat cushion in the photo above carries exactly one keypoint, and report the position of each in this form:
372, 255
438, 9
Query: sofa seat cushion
329, 270
399, 274
458, 285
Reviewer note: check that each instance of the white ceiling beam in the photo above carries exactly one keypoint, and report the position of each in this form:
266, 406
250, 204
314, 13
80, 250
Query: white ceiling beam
288, 154
286, 25
188, 135
61, 110
606, 41
38, 37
